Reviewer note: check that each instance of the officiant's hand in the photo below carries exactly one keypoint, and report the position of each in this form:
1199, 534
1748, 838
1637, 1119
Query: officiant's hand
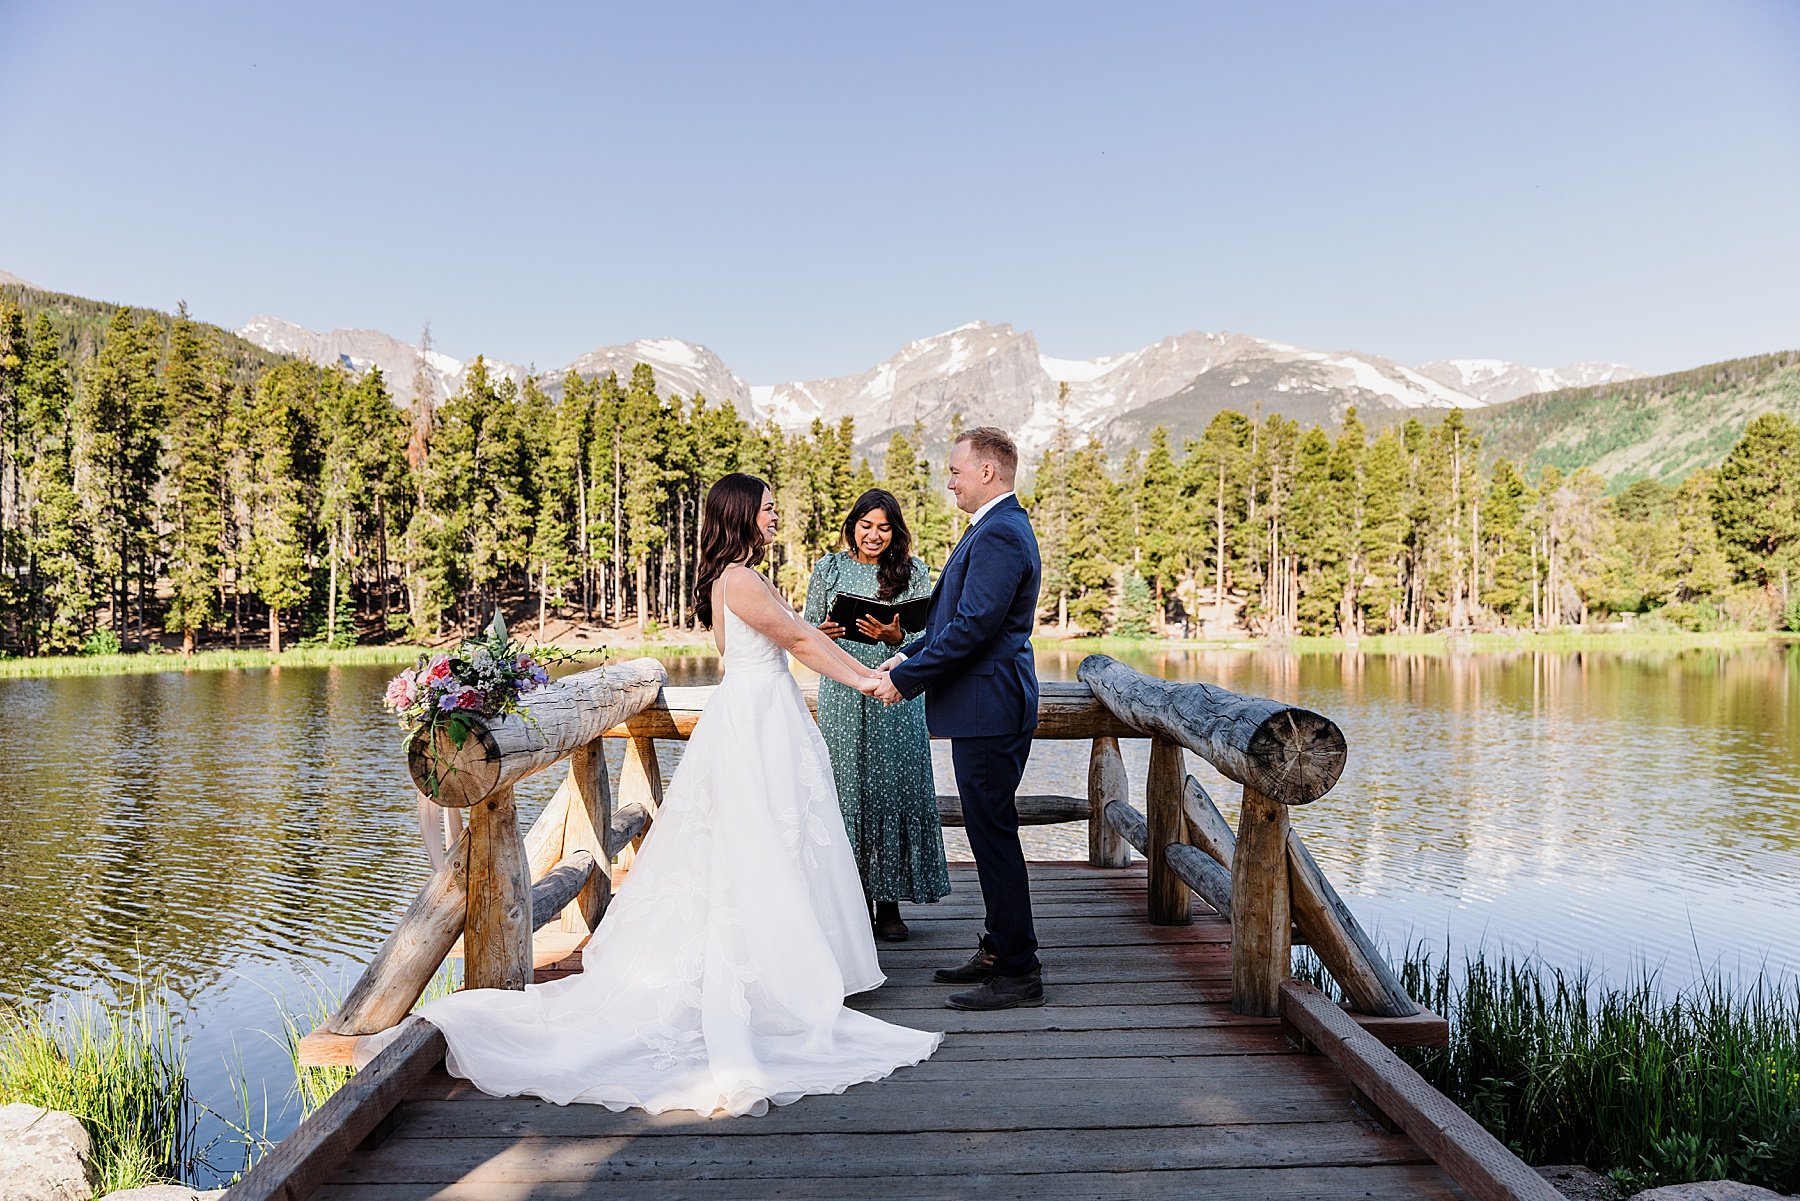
890, 633
831, 629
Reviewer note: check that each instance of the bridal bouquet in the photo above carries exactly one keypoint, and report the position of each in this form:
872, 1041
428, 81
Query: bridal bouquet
489, 676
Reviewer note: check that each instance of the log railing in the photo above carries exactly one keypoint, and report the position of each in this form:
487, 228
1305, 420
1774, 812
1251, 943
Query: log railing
1261, 876
493, 888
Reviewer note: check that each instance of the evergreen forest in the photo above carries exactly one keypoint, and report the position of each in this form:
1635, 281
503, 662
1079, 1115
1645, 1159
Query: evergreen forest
164, 485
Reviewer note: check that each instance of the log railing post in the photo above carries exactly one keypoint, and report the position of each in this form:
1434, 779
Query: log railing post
1170, 902
497, 931
1260, 942
1107, 782
640, 783
589, 818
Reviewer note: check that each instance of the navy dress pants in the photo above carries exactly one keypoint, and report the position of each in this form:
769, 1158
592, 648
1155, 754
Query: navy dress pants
988, 771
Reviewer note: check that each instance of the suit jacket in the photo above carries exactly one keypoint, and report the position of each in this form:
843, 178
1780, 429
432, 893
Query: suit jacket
974, 660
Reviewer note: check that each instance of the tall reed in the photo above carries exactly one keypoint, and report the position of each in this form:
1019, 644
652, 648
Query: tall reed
1653, 1088
120, 1068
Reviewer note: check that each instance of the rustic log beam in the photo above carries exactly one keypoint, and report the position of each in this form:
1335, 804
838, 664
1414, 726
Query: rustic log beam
1198, 871
1066, 710
1130, 825
1169, 902
552, 894
1339, 941
497, 931
1107, 782
1289, 755
640, 784
628, 825
543, 842
563, 715
587, 825
1207, 828
1034, 810
1471, 1156
396, 978
296, 1166
1261, 950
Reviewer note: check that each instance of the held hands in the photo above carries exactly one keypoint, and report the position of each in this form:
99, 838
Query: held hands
881, 688
889, 633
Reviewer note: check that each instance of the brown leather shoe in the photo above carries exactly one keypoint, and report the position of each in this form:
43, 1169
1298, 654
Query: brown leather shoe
979, 967
1003, 992
889, 927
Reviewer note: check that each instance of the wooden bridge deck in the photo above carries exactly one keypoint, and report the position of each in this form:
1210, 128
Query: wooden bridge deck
1135, 1080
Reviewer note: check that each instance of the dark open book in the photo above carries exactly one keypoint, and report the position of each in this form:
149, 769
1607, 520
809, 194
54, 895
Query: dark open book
848, 607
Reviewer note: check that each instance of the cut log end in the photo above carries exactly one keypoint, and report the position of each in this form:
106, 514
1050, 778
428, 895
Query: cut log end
1303, 752
455, 777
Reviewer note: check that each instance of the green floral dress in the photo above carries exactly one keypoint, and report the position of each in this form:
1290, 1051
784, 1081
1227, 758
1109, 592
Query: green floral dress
880, 755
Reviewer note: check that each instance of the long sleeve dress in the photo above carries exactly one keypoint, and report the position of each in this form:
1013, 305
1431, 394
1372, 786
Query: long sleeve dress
880, 754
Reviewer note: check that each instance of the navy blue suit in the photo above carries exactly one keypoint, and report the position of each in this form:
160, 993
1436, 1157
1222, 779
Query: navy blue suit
974, 665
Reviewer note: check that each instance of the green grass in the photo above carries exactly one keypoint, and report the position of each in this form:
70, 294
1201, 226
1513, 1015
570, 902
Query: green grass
121, 1069
313, 1086
1428, 644
50, 666
1651, 1088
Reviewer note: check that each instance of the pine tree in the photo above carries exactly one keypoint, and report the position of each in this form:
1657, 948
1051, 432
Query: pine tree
1136, 617
1315, 520
1381, 594
62, 577
282, 489
1160, 521
1089, 565
1506, 543
1756, 503
1695, 570
118, 422
194, 382
1351, 499
644, 480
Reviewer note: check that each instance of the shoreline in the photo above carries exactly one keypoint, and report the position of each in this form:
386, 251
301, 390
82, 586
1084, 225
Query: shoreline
627, 645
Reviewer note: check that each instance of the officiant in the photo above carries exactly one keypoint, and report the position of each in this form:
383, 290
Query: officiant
880, 754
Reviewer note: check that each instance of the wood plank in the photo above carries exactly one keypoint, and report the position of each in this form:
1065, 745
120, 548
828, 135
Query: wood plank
304, 1159
613, 1159
898, 1106
1475, 1159
1339, 1183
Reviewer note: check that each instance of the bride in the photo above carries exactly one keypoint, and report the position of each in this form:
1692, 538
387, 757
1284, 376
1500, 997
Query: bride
717, 978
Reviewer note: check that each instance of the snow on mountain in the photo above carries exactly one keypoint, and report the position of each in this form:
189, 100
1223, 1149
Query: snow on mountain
996, 375
1495, 381
360, 349
988, 373
682, 367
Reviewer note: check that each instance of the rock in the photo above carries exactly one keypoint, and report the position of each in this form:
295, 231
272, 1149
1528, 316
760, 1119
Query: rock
1578, 1183
1708, 1190
44, 1156
164, 1192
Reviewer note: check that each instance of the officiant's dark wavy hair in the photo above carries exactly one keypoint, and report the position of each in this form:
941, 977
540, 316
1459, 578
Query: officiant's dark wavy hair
893, 571
728, 534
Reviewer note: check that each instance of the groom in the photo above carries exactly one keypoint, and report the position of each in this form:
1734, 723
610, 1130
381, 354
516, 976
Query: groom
974, 665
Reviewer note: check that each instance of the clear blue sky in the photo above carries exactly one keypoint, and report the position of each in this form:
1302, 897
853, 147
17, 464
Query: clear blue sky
804, 187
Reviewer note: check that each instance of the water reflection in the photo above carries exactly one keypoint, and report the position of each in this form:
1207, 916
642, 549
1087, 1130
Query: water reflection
245, 833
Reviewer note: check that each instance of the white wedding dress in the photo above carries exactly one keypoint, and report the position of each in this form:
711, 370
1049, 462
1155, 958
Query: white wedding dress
717, 978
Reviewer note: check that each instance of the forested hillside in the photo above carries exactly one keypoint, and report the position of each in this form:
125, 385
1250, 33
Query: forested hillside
161, 482
1661, 427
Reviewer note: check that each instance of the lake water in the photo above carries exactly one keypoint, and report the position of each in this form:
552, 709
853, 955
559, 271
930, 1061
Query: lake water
249, 837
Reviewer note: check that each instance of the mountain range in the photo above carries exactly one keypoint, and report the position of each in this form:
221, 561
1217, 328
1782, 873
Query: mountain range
997, 375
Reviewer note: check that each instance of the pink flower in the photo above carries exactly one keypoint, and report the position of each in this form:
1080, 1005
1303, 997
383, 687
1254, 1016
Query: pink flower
439, 670
401, 691
470, 698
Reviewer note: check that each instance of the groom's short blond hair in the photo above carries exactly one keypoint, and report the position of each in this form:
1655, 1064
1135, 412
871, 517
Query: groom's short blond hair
995, 445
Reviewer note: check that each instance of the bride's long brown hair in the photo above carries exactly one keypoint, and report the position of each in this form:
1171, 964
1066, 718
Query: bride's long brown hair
729, 534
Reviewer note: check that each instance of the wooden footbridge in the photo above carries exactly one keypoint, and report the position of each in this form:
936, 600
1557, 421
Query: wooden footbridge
1175, 1056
